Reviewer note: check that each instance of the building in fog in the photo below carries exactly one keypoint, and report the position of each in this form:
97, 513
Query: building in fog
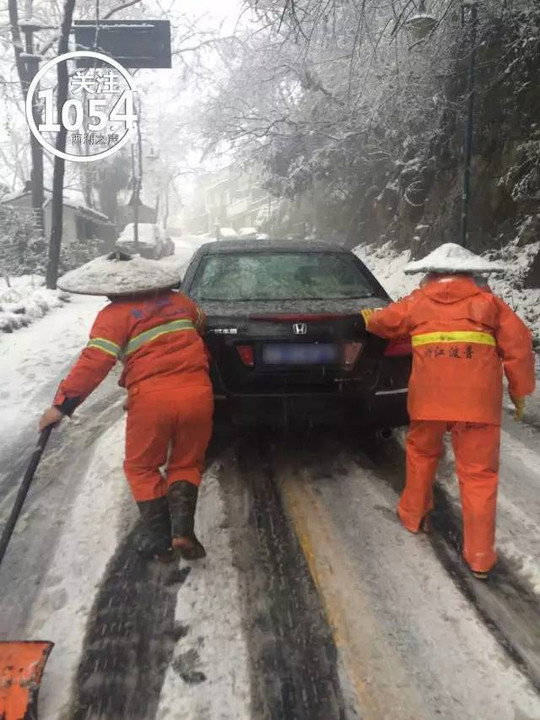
229, 198
126, 212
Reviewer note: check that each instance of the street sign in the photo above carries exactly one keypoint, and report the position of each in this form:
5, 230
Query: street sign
132, 43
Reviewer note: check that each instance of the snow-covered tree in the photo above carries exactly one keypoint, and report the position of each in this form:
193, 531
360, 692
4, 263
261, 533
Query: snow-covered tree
342, 105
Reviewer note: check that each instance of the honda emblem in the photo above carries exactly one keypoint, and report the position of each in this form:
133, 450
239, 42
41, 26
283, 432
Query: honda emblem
300, 329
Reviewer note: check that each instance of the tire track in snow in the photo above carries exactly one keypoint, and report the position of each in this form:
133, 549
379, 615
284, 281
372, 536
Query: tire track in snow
130, 639
131, 636
508, 606
293, 655
388, 658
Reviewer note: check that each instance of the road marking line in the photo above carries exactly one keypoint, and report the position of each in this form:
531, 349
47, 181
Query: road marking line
353, 622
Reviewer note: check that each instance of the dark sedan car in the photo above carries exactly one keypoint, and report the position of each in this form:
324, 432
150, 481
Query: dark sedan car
287, 339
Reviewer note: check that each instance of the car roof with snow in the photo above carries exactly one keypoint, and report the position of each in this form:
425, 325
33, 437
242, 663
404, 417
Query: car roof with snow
228, 232
131, 225
146, 232
224, 246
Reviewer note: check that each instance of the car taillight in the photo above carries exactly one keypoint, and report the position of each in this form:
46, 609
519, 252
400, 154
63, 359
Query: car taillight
246, 354
399, 346
351, 351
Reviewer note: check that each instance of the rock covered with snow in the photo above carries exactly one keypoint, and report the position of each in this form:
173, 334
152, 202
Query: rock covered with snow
119, 274
452, 258
26, 300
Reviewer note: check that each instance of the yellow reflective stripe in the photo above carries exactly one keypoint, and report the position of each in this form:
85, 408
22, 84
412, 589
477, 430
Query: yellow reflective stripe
107, 346
155, 332
462, 336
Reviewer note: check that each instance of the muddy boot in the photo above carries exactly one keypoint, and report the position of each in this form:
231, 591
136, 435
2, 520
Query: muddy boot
480, 575
156, 543
484, 575
182, 504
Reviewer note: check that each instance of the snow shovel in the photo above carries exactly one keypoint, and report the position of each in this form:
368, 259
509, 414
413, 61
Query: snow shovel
21, 662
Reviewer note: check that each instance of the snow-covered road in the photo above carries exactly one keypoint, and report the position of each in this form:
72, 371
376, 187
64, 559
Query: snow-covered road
313, 602
412, 645
79, 507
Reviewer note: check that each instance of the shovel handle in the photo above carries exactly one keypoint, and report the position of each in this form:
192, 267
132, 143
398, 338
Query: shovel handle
23, 490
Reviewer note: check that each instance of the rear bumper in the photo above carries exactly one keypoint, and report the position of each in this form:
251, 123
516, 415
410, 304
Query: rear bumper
382, 409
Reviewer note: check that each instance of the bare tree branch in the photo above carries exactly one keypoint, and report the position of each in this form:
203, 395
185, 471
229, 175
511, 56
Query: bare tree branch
121, 7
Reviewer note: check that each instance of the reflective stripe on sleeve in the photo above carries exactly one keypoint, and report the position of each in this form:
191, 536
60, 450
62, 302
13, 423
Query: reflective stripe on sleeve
171, 327
461, 336
107, 346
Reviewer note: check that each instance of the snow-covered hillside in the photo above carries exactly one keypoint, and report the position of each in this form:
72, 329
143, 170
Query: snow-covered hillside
387, 266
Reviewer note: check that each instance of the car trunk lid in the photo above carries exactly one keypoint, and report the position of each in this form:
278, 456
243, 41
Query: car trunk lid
310, 344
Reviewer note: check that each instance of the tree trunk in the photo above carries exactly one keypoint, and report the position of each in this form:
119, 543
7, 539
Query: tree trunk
532, 280
36, 177
26, 75
166, 211
55, 241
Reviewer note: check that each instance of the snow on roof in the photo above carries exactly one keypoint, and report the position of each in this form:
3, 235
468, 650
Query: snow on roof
72, 198
452, 258
119, 274
85, 210
76, 200
8, 197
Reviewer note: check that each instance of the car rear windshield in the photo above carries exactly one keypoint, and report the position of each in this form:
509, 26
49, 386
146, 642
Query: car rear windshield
280, 276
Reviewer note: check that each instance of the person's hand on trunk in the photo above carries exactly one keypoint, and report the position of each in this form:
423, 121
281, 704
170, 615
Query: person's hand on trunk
51, 416
366, 313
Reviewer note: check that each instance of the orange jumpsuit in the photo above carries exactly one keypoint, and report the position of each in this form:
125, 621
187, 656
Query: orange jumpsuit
170, 400
462, 337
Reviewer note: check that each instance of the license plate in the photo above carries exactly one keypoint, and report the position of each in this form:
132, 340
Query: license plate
300, 354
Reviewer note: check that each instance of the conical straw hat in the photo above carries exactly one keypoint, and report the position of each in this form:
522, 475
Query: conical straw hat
119, 274
452, 258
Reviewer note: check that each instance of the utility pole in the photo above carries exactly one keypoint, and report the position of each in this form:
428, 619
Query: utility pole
137, 180
135, 200
422, 25
470, 9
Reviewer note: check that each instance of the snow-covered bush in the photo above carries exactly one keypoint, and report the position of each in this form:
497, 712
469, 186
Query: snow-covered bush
22, 245
25, 301
76, 252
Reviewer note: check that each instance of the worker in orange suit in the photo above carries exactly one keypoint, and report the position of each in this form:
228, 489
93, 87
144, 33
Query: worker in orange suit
157, 333
463, 337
